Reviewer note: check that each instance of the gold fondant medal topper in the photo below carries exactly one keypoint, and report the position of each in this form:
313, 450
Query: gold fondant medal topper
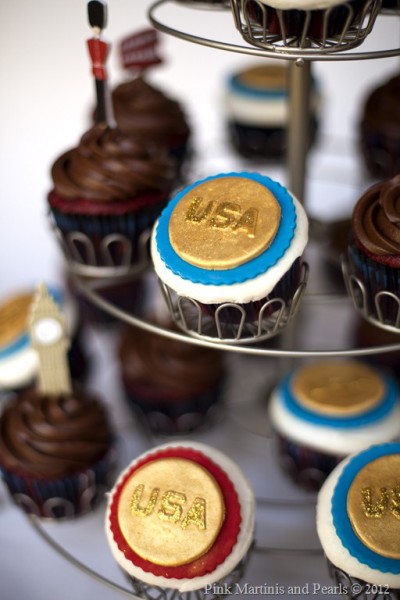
224, 222
266, 77
171, 511
338, 387
14, 317
373, 505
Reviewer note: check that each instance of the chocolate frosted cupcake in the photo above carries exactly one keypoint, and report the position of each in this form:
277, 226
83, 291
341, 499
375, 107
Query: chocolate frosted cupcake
110, 185
228, 250
358, 523
56, 455
173, 385
374, 250
325, 411
142, 110
179, 520
379, 130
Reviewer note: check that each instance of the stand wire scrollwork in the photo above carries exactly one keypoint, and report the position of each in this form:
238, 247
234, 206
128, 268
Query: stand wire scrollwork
273, 316
373, 308
277, 51
253, 19
114, 256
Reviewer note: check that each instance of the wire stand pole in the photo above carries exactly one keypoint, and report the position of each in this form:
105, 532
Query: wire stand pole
298, 144
299, 125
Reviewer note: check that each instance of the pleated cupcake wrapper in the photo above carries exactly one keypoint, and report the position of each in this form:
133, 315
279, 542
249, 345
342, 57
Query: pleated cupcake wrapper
354, 588
264, 141
153, 592
97, 227
376, 277
284, 289
64, 497
306, 465
175, 416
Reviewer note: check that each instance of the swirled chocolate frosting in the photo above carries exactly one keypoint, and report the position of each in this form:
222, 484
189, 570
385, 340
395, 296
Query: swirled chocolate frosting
142, 109
382, 108
109, 165
171, 366
50, 436
376, 218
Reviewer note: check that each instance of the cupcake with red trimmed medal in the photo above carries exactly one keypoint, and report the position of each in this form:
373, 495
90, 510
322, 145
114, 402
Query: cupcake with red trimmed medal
228, 250
180, 519
109, 189
143, 110
57, 453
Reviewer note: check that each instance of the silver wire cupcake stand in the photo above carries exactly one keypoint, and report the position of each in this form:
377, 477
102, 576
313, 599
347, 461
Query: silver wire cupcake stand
84, 265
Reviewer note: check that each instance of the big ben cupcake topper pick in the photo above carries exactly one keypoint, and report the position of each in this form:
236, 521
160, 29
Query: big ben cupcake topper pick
49, 338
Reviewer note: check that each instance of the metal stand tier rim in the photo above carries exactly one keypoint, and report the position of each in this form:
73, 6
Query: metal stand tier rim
284, 53
96, 298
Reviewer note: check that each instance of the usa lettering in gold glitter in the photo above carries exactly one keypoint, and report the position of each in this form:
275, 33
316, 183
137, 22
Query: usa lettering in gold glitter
386, 502
223, 215
171, 507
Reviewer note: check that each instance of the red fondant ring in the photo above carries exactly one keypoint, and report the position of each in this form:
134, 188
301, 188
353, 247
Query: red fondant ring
227, 536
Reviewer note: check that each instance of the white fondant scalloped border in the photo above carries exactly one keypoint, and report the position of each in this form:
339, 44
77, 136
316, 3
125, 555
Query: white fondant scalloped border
332, 545
332, 440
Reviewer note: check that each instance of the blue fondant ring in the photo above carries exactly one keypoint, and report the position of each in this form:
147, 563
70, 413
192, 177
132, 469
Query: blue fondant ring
373, 415
341, 520
254, 267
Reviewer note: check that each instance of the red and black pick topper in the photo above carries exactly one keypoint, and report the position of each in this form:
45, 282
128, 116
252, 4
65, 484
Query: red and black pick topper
139, 50
98, 50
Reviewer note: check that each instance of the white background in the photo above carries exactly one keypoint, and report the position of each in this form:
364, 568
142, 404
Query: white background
47, 93
46, 96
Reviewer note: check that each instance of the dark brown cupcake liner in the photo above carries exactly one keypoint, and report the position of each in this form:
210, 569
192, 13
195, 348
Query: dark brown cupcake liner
306, 466
131, 225
357, 589
172, 415
376, 278
64, 497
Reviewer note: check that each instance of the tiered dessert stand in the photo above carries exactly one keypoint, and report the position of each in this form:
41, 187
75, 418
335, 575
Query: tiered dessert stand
310, 313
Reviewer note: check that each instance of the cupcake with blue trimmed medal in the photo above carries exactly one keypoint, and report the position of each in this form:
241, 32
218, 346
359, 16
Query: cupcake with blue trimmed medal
228, 250
256, 103
358, 523
323, 412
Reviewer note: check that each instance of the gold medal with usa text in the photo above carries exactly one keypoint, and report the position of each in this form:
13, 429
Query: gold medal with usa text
338, 387
13, 318
373, 505
171, 511
224, 222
